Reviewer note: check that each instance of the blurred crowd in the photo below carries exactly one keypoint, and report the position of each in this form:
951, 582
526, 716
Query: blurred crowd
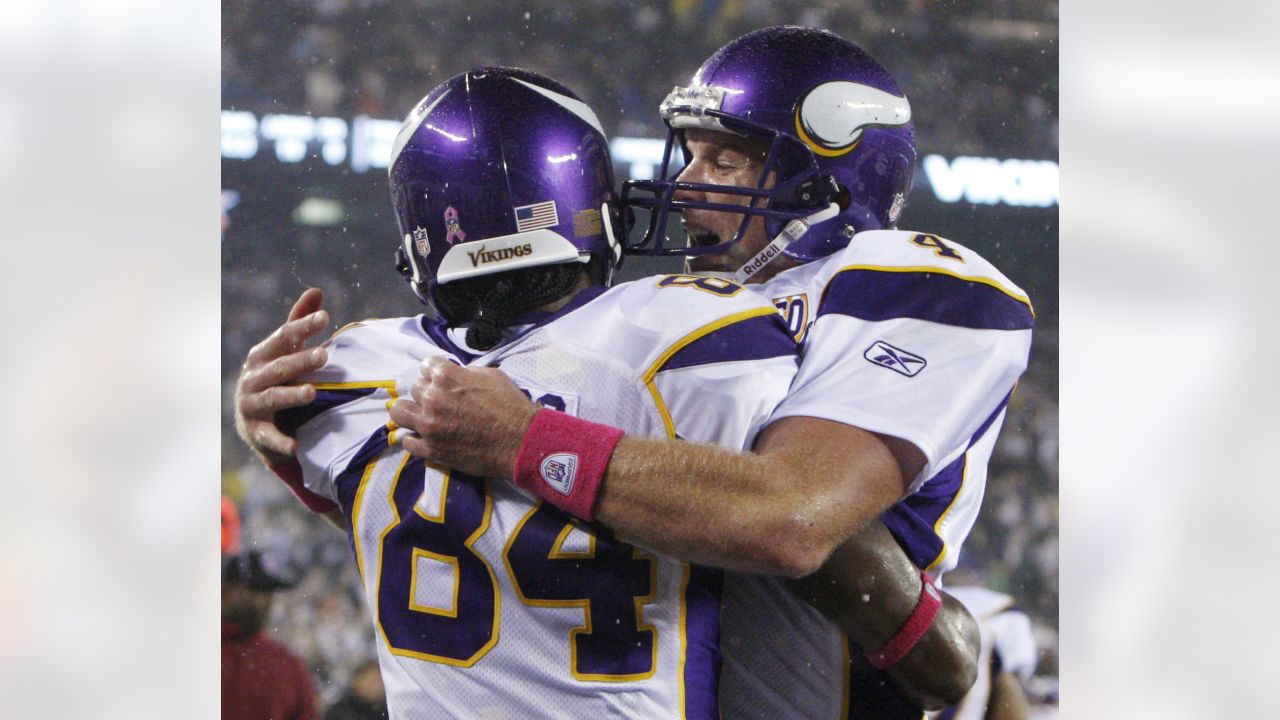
983, 76
978, 86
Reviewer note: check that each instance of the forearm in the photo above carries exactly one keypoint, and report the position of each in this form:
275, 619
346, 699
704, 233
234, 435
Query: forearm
716, 507
780, 510
869, 588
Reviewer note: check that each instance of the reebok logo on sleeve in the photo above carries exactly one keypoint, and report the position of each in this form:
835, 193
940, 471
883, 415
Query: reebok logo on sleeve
896, 359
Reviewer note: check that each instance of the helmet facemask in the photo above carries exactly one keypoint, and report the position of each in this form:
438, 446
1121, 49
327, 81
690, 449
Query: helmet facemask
837, 131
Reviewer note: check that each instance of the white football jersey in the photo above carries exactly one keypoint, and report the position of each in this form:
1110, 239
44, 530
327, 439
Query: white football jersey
490, 604
1008, 646
909, 335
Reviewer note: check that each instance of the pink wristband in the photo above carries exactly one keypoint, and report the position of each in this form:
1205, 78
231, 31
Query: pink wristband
912, 630
562, 460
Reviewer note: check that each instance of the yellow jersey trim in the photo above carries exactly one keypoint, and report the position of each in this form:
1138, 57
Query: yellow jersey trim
388, 385
946, 547
558, 553
652, 372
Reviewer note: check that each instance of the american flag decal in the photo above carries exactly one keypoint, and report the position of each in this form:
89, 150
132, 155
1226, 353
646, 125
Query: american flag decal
537, 215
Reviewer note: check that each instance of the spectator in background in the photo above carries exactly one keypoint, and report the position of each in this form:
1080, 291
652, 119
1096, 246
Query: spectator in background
261, 679
230, 527
365, 699
1006, 660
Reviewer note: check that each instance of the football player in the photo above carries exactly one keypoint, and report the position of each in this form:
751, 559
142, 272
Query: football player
484, 602
1006, 661
800, 152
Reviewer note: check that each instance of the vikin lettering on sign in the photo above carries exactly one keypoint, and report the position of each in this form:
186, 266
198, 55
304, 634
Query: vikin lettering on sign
365, 143
988, 181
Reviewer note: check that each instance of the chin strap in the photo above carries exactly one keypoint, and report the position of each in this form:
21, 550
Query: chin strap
791, 232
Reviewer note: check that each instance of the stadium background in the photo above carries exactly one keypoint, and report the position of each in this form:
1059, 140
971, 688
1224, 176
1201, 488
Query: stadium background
982, 78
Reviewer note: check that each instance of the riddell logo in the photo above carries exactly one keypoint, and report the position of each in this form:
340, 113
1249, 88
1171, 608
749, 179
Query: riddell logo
484, 257
760, 260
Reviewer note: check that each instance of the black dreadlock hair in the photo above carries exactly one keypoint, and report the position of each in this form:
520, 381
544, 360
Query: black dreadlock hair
489, 302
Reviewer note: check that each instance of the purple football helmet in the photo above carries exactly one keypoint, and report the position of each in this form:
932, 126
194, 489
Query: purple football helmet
837, 132
500, 169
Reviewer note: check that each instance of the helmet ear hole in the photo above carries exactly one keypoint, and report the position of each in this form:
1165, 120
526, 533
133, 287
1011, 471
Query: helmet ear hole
842, 198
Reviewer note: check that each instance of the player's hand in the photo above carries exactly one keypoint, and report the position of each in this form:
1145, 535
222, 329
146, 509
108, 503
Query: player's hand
469, 419
281, 358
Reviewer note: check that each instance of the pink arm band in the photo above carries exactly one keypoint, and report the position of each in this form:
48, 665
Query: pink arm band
562, 460
912, 630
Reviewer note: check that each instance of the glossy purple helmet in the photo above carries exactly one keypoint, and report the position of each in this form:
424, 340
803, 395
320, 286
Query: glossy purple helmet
498, 170
836, 128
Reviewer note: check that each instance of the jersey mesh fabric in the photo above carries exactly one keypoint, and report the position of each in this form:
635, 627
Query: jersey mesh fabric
462, 652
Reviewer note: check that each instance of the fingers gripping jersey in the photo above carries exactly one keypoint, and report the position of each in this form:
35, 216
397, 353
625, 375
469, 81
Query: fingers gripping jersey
489, 604
1008, 645
909, 335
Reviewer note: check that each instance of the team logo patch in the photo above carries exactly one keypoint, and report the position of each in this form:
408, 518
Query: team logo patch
559, 470
453, 227
831, 117
420, 241
537, 215
896, 359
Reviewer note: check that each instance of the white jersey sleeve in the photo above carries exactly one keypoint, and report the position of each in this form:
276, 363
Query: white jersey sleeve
1008, 645
914, 337
714, 358
370, 364
721, 380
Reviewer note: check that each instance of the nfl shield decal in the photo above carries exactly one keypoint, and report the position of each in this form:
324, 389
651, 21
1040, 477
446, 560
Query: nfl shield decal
559, 471
420, 241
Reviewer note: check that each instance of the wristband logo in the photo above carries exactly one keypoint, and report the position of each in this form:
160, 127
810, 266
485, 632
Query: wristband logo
559, 471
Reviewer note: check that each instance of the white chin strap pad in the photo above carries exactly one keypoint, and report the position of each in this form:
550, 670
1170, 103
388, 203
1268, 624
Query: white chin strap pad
793, 231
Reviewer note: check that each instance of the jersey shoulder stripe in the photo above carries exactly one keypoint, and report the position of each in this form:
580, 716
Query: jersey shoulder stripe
877, 293
327, 398
757, 336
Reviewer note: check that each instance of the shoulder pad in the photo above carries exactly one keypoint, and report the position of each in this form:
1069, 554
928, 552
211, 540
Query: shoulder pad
884, 274
649, 322
374, 350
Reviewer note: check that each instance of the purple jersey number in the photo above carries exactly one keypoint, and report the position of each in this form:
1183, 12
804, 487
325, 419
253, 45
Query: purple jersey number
459, 635
609, 580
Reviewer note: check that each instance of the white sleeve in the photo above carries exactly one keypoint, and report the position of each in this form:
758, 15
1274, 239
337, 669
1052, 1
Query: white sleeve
723, 386
920, 356
725, 404
349, 419
354, 430
1015, 643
